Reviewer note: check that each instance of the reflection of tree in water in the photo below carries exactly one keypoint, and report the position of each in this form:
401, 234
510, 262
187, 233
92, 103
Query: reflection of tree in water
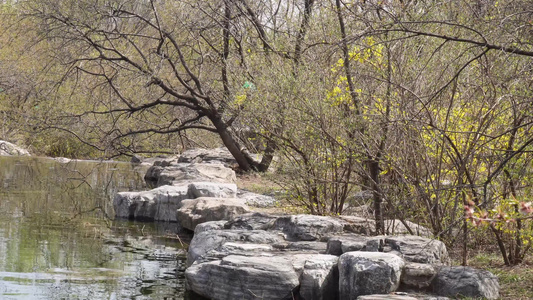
46, 204
51, 232
67, 189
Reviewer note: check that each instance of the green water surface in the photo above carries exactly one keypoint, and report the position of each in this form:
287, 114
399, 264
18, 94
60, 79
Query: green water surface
59, 239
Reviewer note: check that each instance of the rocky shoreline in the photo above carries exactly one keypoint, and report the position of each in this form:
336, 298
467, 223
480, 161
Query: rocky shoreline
237, 253
9, 149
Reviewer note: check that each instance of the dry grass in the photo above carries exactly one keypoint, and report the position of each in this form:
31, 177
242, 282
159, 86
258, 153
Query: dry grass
264, 185
515, 282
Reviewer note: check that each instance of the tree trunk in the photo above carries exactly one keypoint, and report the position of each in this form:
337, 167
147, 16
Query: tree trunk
230, 143
373, 167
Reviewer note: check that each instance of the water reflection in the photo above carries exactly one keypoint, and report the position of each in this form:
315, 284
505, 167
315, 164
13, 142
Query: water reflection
58, 240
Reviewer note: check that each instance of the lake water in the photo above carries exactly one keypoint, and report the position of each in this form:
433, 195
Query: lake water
58, 238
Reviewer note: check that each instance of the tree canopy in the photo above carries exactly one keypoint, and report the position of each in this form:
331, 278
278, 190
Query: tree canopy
425, 106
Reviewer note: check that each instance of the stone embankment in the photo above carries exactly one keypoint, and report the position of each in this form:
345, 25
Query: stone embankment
9, 149
237, 253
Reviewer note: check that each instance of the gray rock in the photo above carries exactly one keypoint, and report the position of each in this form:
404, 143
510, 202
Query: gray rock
402, 296
163, 161
231, 248
359, 225
9, 149
241, 249
213, 189
159, 204
242, 277
62, 160
216, 172
208, 241
298, 260
307, 246
466, 282
208, 226
418, 249
308, 227
193, 212
367, 273
170, 173
253, 221
136, 159
320, 278
257, 200
157, 165
199, 155
386, 297
411, 248
337, 245
418, 276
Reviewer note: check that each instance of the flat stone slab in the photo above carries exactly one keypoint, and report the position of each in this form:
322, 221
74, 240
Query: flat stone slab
209, 245
243, 277
308, 227
201, 155
253, 221
171, 173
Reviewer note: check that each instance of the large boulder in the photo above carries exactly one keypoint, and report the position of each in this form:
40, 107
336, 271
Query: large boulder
308, 227
9, 149
295, 227
367, 273
320, 278
171, 173
210, 225
209, 245
418, 249
243, 277
159, 204
213, 189
466, 282
418, 276
253, 221
302, 246
359, 225
200, 210
411, 248
200, 155
337, 245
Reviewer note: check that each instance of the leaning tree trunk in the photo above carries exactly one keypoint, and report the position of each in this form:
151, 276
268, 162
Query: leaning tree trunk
230, 143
